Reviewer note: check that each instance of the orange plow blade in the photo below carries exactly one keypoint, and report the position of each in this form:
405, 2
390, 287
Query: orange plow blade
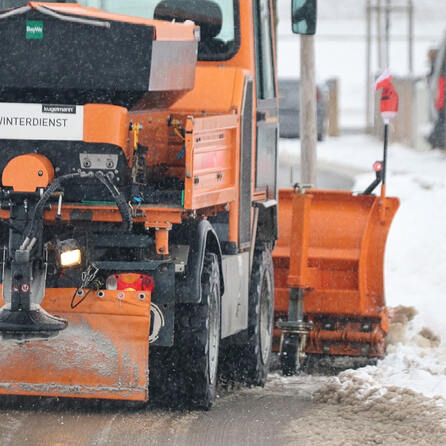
331, 245
103, 353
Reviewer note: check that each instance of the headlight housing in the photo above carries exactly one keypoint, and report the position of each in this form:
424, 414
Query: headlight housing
69, 253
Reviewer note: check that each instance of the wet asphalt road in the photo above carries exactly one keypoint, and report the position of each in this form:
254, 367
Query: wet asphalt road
241, 417
327, 178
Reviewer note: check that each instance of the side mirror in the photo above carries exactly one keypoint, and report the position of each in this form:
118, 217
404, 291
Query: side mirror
304, 16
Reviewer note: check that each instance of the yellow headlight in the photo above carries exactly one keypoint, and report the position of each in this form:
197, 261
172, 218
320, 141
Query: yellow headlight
71, 258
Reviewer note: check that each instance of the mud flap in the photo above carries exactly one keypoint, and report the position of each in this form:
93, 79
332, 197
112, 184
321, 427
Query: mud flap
103, 353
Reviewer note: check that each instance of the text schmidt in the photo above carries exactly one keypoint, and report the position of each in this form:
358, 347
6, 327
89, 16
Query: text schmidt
6, 121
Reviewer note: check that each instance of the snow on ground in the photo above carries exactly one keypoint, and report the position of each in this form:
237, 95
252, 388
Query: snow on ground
415, 269
352, 409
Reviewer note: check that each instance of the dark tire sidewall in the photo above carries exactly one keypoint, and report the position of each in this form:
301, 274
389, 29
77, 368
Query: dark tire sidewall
211, 297
262, 273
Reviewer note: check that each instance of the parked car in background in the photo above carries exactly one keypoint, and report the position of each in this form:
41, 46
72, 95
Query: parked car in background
437, 85
289, 109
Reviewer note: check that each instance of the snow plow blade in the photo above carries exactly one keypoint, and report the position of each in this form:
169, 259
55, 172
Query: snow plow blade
333, 251
103, 352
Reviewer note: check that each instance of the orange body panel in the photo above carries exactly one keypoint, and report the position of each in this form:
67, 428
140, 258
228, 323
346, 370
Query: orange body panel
162, 241
108, 124
334, 249
213, 91
210, 164
163, 143
219, 87
103, 353
211, 155
27, 173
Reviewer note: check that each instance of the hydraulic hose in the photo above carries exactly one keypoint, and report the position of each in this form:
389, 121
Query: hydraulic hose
57, 183
40, 206
14, 12
68, 18
121, 202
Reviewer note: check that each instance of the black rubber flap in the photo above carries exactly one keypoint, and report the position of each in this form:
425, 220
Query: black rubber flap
35, 323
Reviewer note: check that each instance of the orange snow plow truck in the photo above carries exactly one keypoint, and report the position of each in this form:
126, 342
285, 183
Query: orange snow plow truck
139, 207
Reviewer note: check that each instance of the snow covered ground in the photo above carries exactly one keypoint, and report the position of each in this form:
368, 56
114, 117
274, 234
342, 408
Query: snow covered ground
415, 266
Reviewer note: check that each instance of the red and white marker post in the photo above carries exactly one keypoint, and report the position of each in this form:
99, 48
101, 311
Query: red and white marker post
389, 110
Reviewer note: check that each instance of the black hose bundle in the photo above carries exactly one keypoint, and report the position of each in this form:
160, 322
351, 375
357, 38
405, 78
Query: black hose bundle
121, 202
57, 183
40, 206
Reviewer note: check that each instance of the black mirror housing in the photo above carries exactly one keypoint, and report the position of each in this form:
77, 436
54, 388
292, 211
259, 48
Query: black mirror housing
304, 16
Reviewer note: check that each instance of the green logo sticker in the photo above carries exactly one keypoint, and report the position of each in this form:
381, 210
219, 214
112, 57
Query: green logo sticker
34, 30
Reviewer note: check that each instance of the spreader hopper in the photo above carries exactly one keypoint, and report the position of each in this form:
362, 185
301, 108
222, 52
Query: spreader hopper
69, 54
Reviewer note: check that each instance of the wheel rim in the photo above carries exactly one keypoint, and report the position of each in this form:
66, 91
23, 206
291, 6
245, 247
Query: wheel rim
213, 333
265, 319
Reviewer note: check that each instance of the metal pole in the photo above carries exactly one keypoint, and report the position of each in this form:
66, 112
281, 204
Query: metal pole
379, 34
368, 79
388, 10
308, 132
386, 143
410, 43
333, 107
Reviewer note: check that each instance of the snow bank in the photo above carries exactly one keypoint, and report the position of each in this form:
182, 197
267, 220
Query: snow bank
353, 410
391, 415
414, 361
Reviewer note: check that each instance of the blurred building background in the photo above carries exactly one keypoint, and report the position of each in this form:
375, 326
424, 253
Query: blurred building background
341, 51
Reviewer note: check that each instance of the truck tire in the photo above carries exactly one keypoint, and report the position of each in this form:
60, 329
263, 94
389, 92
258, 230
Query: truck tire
255, 355
199, 333
186, 374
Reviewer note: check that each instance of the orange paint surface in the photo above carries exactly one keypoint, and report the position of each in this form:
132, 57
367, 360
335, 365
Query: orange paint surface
108, 124
27, 173
334, 249
103, 353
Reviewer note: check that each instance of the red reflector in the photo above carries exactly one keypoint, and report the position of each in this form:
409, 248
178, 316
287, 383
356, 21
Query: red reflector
378, 166
440, 100
134, 281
